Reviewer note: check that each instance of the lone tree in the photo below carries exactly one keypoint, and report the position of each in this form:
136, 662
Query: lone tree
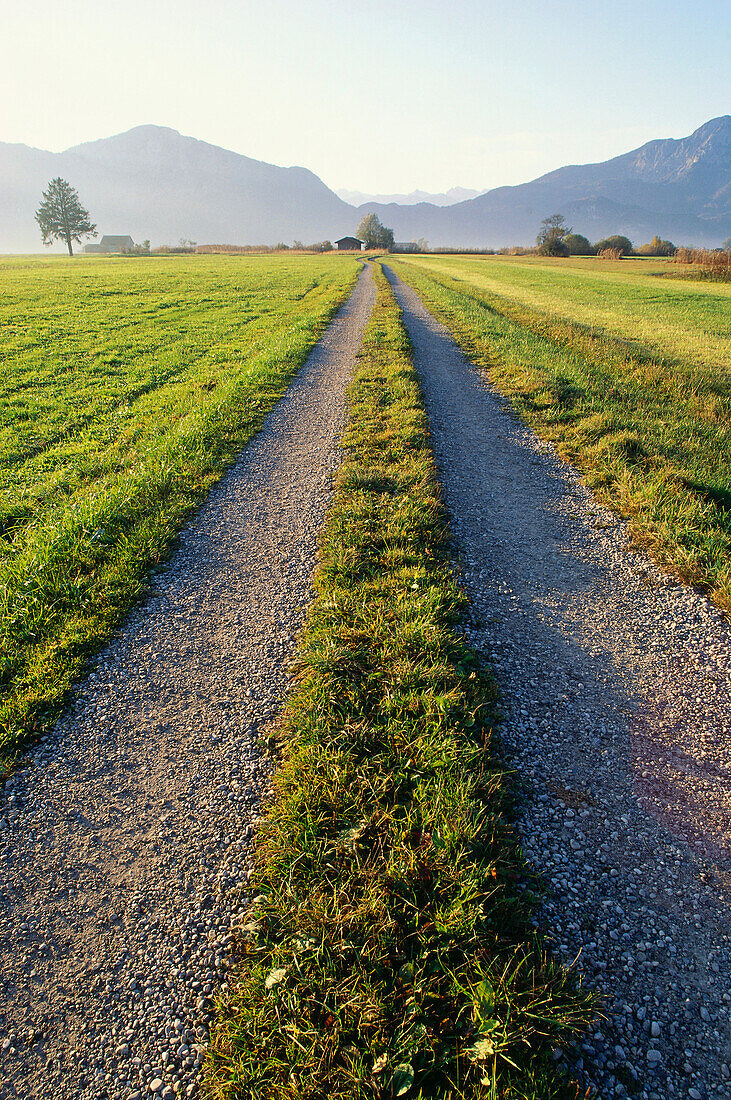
61, 216
551, 237
374, 234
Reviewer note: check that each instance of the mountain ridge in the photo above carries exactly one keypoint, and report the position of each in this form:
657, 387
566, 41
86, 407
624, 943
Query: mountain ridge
154, 182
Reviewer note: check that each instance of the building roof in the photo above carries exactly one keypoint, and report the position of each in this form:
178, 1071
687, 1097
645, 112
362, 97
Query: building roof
348, 237
115, 242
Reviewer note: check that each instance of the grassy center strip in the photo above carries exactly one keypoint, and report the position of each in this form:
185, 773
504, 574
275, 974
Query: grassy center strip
388, 951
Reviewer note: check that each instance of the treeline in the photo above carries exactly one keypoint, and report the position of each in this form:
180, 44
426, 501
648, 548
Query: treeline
296, 246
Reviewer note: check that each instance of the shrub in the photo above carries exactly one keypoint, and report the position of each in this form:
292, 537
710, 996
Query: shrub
578, 245
622, 244
610, 254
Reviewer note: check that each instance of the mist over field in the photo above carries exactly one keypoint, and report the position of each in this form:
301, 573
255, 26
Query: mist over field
153, 183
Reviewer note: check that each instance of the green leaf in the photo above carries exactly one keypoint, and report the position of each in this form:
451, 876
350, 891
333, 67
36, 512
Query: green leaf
403, 1079
485, 995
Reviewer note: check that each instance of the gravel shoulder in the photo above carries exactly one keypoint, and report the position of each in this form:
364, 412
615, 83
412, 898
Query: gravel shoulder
124, 838
617, 692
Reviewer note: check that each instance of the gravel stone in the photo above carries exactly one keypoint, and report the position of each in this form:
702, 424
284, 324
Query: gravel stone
121, 876
616, 684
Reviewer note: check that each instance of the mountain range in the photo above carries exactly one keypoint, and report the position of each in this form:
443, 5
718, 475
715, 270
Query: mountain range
154, 183
442, 198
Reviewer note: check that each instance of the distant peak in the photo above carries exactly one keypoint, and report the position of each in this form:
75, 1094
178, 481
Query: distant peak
145, 134
150, 128
723, 122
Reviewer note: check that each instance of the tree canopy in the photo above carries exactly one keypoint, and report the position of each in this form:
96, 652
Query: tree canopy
617, 243
551, 237
657, 247
578, 245
61, 216
374, 234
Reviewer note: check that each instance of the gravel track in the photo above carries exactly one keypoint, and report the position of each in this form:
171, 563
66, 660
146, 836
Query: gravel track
124, 839
617, 691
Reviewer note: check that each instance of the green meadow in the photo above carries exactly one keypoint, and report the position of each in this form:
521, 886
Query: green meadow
626, 370
128, 385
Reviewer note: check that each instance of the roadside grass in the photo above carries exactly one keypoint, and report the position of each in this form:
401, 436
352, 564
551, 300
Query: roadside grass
651, 434
128, 386
684, 322
388, 950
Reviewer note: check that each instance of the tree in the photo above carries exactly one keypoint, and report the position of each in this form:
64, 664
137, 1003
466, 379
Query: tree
620, 244
551, 237
578, 245
657, 247
61, 216
374, 234
726, 246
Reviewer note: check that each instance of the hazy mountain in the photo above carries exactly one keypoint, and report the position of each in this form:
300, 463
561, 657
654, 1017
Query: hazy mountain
679, 189
444, 198
152, 182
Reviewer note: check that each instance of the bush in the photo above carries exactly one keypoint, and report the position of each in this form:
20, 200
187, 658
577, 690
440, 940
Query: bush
578, 245
621, 244
610, 254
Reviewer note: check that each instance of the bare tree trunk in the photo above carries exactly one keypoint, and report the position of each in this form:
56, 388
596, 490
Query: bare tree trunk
68, 245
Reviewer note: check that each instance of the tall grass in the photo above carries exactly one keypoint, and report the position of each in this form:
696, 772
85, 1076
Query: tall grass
387, 951
711, 263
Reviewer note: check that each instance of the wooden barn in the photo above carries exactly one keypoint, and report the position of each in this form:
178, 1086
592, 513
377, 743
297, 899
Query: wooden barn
350, 244
111, 243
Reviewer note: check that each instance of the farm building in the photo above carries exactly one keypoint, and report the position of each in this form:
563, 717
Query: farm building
111, 244
350, 244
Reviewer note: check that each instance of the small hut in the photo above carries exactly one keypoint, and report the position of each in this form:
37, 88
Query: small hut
350, 244
111, 243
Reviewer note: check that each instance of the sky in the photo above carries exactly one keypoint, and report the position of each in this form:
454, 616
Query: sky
373, 95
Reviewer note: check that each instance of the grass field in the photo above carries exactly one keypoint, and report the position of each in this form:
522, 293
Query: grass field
388, 950
627, 372
685, 320
127, 387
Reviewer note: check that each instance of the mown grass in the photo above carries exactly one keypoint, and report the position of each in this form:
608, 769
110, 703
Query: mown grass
689, 322
651, 433
127, 388
388, 950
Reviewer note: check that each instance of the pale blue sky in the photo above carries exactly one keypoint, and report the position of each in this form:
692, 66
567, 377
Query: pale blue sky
371, 94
